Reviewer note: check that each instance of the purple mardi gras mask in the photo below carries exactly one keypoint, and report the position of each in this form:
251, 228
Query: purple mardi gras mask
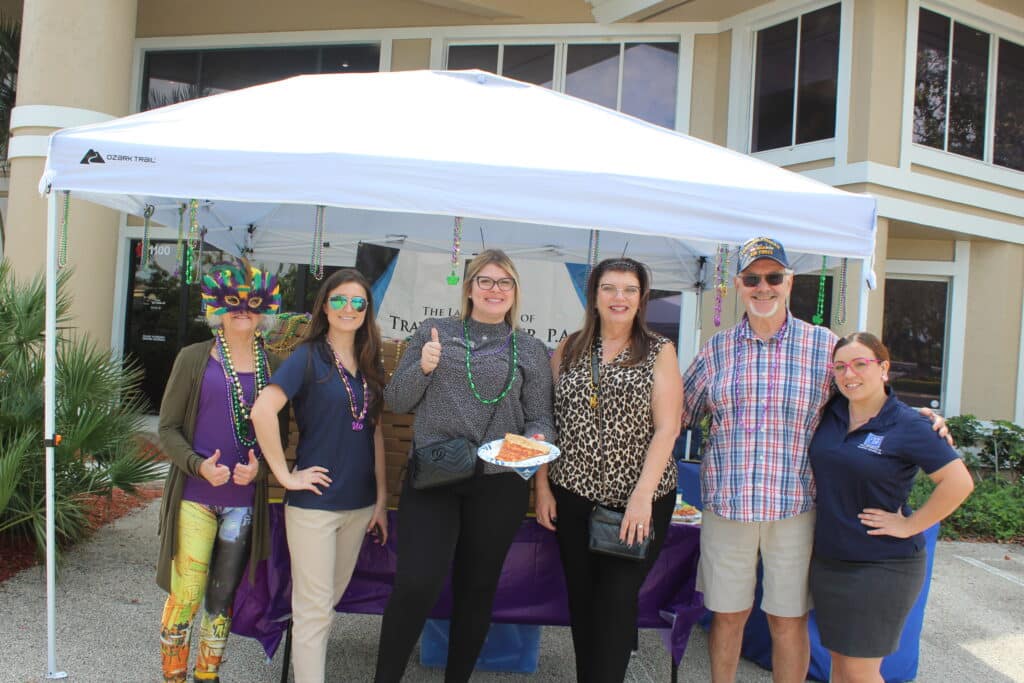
240, 287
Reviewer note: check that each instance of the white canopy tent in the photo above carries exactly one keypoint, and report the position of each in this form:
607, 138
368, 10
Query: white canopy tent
395, 156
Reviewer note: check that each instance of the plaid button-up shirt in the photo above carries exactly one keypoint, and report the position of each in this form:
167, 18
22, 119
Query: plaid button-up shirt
765, 400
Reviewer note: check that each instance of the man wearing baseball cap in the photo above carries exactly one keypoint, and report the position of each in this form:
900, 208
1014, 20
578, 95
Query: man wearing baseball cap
764, 383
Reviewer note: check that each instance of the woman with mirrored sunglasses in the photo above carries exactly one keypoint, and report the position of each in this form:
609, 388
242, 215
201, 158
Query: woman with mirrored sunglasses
213, 518
337, 492
477, 377
869, 557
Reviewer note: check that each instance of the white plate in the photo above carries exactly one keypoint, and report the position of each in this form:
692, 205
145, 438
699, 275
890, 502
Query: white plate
489, 451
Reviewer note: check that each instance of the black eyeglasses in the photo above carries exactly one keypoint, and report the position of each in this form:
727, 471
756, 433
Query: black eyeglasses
339, 301
505, 284
754, 279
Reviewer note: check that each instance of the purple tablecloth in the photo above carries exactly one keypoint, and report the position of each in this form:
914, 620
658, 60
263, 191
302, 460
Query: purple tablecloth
531, 591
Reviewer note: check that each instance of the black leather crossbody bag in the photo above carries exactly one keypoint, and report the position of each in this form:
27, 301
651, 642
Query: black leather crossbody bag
606, 522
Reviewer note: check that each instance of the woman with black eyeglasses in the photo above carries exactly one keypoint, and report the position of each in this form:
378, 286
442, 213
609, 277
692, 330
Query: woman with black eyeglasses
337, 492
475, 377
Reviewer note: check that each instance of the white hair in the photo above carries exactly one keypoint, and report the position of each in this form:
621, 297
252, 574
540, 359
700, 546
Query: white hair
267, 322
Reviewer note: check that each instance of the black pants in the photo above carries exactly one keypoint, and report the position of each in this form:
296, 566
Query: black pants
469, 527
602, 590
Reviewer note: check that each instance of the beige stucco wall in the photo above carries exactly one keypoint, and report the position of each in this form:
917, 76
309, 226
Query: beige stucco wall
409, 55
72, 55
709, 93
876, 88
992, 338
909, 249
1012, 6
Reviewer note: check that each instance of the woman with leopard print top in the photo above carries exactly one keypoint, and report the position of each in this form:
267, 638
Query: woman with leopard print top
616, 436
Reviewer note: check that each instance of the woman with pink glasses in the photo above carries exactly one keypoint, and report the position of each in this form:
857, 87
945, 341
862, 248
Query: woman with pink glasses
869, 555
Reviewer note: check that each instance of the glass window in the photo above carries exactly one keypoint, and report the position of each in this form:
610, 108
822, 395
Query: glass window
932, 75
592, 73
650, 73
968, 88
171, 77
914, 329
483, 57
954, 83
530, 63
819, 71
225, 70
780, 118
1009, 126
663, 314
350, 59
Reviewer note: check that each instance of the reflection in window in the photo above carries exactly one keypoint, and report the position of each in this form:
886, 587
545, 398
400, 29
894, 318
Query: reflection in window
969, 85
592, 73
649, 81
812, 41
181, 75
530, 63
914, 329
483, 57
953, 67
1009, 132
932, 74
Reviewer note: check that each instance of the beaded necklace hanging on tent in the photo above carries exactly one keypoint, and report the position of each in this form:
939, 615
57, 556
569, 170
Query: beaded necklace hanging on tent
469, 368
193, 250
453, 276
819, 312
841, 315
241, 425
358, 419
721, 273
62, 239
316, 257
178, 253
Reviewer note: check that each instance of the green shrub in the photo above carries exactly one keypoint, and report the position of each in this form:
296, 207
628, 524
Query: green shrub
100, 412
994, 510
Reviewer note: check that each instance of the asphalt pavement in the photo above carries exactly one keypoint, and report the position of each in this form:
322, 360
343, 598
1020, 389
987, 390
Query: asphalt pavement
108, 613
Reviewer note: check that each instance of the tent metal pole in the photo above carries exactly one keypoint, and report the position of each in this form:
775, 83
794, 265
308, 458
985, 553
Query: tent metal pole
862, 304
49, 389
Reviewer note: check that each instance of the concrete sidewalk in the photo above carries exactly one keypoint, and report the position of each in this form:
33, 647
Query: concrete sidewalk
109, 611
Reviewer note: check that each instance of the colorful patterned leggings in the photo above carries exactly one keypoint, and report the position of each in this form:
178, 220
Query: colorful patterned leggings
212, 551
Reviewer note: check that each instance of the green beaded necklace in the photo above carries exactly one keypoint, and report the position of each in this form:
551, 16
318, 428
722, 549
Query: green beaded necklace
511, 368
244, 433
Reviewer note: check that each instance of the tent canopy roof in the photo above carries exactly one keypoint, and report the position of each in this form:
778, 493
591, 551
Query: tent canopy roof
394, 156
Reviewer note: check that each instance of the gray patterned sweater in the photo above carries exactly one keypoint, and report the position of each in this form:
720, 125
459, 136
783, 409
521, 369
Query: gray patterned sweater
444, 404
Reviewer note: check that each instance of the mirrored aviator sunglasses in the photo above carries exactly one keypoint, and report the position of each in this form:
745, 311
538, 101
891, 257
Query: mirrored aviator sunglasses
339, 301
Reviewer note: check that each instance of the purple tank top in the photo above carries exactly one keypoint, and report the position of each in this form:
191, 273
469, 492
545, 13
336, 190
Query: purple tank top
213, 431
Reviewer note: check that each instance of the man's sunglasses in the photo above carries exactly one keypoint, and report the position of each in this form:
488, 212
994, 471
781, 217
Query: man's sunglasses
754, 279
339, 301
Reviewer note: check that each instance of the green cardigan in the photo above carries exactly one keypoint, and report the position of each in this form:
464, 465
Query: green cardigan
177, 429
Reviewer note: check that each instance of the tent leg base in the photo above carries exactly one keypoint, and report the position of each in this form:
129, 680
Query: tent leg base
56, 675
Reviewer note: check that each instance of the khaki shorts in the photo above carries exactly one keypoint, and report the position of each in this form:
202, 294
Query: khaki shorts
729, 552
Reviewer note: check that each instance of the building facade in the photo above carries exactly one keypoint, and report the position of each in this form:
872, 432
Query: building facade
918, 102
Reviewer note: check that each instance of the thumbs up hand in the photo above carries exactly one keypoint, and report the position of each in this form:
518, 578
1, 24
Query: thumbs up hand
213, 471
244, 474
430, 356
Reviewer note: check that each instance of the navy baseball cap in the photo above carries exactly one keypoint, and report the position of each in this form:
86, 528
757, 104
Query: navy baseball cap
759, 248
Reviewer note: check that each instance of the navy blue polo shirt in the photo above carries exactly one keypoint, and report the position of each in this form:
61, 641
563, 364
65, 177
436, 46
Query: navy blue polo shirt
326, 438
872, 467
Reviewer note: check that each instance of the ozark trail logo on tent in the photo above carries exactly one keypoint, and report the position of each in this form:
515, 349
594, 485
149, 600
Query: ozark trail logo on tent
92, 157
873, 443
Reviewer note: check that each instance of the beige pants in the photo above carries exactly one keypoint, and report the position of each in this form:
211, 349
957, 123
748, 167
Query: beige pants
324, 546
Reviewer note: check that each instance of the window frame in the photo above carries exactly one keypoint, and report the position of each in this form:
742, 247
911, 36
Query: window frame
999, 26
742, 87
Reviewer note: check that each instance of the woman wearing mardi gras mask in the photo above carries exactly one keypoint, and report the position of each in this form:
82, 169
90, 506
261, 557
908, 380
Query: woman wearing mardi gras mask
337, 492
213, 518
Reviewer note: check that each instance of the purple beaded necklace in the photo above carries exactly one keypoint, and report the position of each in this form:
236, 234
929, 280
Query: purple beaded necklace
772, 372
358, 420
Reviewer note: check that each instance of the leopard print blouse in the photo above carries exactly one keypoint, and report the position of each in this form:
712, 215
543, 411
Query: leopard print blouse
624, 421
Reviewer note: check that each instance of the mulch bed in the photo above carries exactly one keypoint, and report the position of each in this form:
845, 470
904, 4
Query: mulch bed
18, 553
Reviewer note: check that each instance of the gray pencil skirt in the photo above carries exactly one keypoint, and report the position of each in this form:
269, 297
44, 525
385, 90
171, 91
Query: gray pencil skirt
861, 607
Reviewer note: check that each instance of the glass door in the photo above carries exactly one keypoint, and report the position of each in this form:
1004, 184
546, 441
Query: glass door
915, 330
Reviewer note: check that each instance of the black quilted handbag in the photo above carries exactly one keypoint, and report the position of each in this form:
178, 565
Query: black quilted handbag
442, 463
604, 535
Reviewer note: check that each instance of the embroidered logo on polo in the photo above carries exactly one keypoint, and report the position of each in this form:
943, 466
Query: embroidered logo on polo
873, 443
